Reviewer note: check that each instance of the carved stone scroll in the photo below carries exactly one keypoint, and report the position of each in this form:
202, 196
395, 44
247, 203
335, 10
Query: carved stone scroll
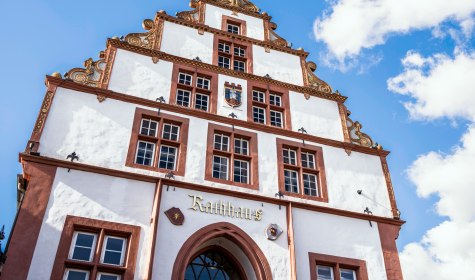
356, 136
150, 39
90, 75
314, 81
194, 15
276, 39
243, 4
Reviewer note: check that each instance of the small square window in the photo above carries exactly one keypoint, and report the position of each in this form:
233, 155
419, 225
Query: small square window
220, 167
167, 157
183, 98
276, 118
201, 102
221, 142
232, 28
240, 51
145, 152
170, 132
308, 160
203, 83
241, 146
114, 251
310, 186
259, 96
347, 274
108, 276
148, 128
275, 100
239, 66
291, 181
224, 47
289, 156
259, 115
185, 79
76, 274
324, 272
83, 246
241, 171
224, 62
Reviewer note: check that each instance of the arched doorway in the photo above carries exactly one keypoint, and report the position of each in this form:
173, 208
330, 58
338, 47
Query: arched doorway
190, 251
214, 263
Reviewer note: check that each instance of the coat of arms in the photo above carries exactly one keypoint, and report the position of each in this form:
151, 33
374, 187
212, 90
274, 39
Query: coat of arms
233, 94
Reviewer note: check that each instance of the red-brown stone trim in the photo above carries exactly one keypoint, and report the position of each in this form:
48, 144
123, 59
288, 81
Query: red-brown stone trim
212, 93
233, 233
344, 124
388, 235
237, 9
268, 89
30, 219
337, 262
161, 118
101, 228
106, 74
154, 225
233, 42
25, 158
231, 20
44, 112
252, 158
320, 169
222, 119
389, 184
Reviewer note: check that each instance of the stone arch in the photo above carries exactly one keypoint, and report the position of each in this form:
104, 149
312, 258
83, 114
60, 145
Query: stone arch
233, 233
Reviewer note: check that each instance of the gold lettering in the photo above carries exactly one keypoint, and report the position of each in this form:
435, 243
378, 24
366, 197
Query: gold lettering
224, 209
196, 203
258, 215
208, 206
230, 210
248, 214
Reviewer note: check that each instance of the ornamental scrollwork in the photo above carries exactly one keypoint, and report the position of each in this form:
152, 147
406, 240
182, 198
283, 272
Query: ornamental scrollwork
191, 16
243, 4
146, 39
276, 39
314, 81
356, 136
90, 75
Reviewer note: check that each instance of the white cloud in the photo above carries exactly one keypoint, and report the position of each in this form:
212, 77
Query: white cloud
352, 25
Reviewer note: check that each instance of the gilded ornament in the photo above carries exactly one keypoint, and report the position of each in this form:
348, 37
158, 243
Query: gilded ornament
314, 81
148, 39
356, 136
276, 39
191, 16
90, 74
56, 75
242, 4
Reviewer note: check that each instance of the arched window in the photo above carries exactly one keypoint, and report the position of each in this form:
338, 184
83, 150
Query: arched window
214, 263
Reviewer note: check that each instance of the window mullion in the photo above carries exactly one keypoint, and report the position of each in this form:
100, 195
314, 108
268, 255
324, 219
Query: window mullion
231, 158
298, 160
337, 271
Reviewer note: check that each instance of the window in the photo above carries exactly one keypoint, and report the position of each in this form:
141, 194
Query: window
235, 29
233, 25
95, 249
235, 56
232, 157
162, 147
239, 66
240, 51
268, 105
194, 88
336, 268
301, 170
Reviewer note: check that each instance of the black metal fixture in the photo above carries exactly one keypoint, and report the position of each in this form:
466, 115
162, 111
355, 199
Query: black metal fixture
122, 38
161, 100
73, 156
170, 176
197, 59
267, 76
33, 153
233, 116
303, 131
369, 212
359, 192
280, 195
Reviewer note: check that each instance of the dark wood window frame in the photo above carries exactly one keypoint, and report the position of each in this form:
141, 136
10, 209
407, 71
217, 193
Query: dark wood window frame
233, 42
252, 157
195, 73
319, 169
181, 144
359, 266
234, 21
266, 105
101, 229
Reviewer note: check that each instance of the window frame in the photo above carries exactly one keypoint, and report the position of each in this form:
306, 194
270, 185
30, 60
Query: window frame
104, 248
194, 89
268, 90
337, 263
318, 171
231, 155
67, 270
162, 119
74, 224
236, 22
234, 42
73, 245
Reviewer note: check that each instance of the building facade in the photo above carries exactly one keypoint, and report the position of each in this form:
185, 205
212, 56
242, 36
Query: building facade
204, 148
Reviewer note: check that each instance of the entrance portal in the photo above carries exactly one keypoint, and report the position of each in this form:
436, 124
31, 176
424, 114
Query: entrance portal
214, 263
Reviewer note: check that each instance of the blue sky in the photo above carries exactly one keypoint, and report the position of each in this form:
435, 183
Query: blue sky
50, 36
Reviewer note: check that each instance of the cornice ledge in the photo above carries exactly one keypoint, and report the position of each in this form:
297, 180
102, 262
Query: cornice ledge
263, 15
24, 157
172, 58
68, 84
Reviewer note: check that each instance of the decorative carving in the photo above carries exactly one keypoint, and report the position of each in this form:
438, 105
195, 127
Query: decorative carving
191, 16
90, 75
273, 232
148, 40
44, 111
276, 39
314, 81
175, 216
356, 136
242, 4
110, 58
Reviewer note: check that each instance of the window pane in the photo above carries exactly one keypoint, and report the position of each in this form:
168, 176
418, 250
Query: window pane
201, 102
291, 181
347, 274
183, 98
324, 272
241, 171
308, 160
275, 100
223, 47
83, 247
76, 274
238, 51
310, 184
224, 62
203, 83
167, 157
114, 250
289, 156
149, 128
145, 151
170, 132
233, 28
241, 146
276, 118
239, 66
220, 167
103, 276
258, 96
185, 79
259, 115
221, 142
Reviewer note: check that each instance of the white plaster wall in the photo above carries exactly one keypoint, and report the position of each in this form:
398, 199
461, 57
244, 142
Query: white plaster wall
97, 197
184, 41
170, 238
320, 117
254, 25
279, 65
137, 75
336, 236
223, 108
